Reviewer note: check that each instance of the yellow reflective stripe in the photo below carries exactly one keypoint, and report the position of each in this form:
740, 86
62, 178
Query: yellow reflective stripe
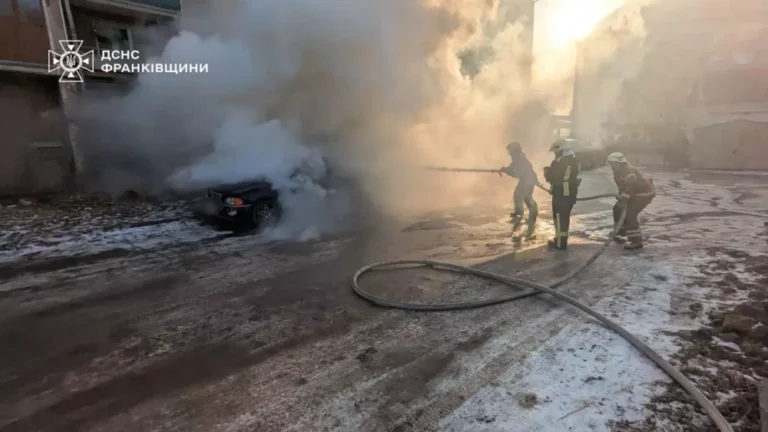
566, 184
558, 233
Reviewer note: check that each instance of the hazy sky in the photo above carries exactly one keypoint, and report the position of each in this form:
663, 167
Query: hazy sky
559, 22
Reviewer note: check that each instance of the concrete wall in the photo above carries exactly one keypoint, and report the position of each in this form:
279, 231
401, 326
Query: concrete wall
734, 145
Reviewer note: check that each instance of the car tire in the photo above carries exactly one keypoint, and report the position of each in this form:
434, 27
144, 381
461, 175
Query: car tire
265, 213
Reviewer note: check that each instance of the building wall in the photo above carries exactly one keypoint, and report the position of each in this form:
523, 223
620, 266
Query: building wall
23, 37
84, 25
37, 144
120, 29
681, 36
730, 102
35, 153
735, 145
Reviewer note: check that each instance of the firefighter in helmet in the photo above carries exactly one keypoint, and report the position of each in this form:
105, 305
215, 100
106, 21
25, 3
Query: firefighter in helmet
562, 175
635, 193
522, 169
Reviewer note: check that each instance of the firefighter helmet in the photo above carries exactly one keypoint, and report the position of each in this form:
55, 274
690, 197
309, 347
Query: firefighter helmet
560, 145
514, 147
617, 158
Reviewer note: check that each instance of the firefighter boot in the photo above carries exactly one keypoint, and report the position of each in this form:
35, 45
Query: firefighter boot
516, 220
553, 244
634, 245
530, 232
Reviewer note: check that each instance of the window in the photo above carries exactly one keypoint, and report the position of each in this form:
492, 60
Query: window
109, 37
6, 7
31, 10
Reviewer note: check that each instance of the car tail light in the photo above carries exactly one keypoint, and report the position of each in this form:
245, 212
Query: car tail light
233, 201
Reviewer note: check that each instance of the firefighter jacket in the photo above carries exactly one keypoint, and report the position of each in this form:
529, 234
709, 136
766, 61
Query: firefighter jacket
522, 169
563, 175
633, 184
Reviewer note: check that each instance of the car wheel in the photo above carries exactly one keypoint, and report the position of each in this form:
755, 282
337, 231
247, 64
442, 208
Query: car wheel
265, 213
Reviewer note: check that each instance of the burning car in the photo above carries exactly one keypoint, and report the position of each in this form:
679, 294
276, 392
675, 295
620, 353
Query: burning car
255, 204
249, 205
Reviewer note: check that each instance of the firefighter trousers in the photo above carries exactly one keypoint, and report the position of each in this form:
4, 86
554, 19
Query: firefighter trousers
524, 196
631, 227
561, 213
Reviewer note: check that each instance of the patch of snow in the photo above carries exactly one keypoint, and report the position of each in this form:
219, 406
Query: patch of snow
85, 243
578, 381
586, 376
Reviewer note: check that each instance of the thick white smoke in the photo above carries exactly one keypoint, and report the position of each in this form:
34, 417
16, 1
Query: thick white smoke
374, 87
611, 56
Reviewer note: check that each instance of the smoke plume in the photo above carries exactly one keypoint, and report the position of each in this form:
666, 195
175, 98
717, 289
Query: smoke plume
371, 88
609, 58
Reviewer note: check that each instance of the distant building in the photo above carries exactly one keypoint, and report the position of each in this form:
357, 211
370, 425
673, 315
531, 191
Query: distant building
654, 108
726, 119
682, 34
35, 139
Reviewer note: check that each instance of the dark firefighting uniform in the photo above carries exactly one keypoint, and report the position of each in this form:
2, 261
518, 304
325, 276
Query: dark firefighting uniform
563, 174
637, 191
522, 169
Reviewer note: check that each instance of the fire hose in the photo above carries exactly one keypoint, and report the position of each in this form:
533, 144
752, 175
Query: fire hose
534, 289
495, 171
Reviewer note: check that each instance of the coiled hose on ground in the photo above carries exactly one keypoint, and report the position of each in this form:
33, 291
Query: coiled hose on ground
534, 289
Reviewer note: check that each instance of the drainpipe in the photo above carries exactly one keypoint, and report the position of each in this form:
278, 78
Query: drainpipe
72, 31
54, 12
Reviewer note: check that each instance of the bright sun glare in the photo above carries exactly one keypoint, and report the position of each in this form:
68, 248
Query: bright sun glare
571, 22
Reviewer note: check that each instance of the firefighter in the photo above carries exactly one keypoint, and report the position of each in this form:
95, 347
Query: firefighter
635, 193
522, 169
562, 175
